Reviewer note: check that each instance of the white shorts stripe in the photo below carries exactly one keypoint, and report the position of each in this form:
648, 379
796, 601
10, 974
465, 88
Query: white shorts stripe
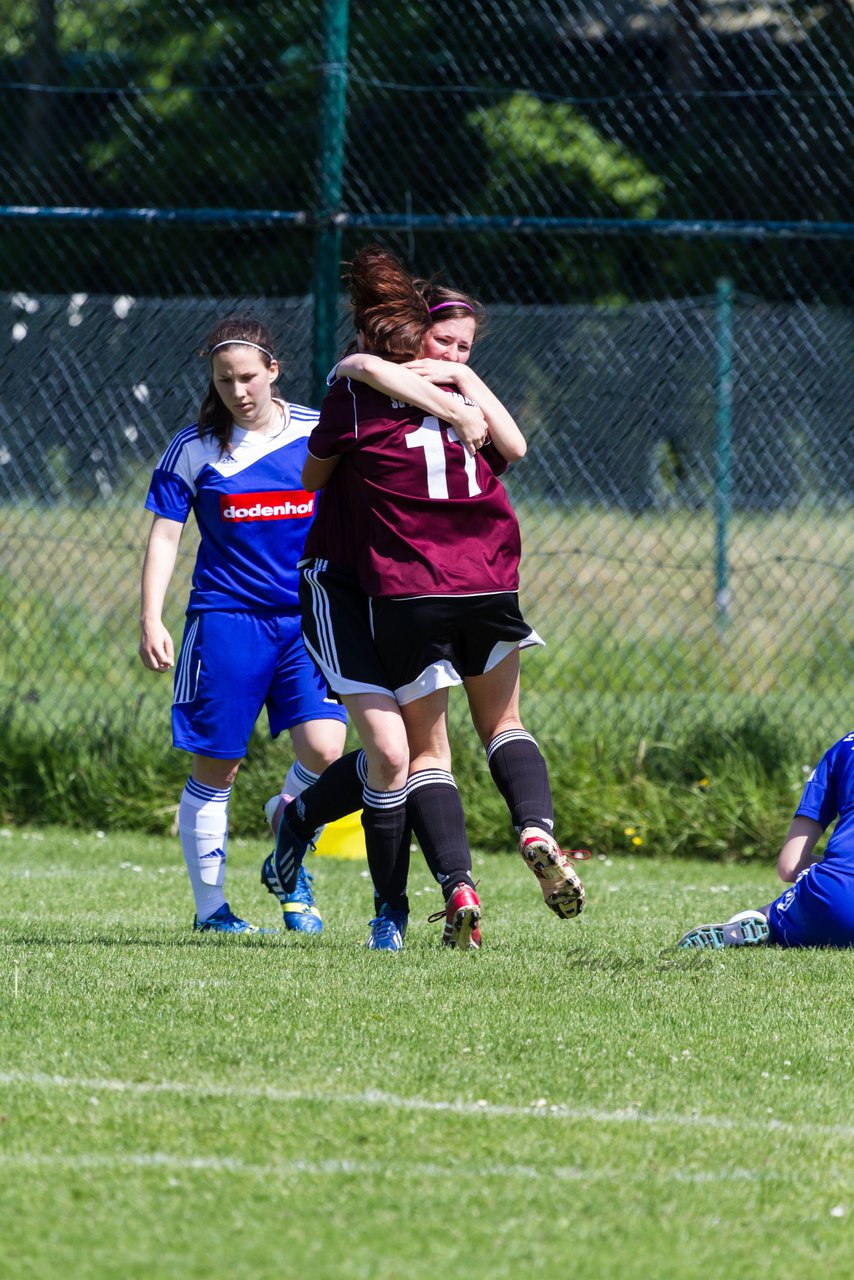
327, 658
187, 673
347, 670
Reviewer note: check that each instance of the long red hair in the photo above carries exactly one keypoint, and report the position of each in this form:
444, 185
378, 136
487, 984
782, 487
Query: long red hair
389, 309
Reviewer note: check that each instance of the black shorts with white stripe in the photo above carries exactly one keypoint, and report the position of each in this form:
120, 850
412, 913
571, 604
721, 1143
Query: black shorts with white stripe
336, 628
427, 643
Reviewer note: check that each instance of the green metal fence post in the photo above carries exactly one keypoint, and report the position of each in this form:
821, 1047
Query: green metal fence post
330, 185
723, 449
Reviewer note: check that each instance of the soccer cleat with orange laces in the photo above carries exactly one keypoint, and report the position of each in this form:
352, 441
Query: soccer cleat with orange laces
560, 883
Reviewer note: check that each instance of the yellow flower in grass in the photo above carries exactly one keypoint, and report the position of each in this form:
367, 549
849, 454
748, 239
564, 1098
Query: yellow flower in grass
636, 840
629, 831
704, 782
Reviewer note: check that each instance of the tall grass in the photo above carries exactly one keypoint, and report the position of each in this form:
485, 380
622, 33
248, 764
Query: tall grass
699, 777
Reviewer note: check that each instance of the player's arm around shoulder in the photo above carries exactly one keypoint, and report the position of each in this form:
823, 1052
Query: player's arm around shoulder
383, 375
399, 383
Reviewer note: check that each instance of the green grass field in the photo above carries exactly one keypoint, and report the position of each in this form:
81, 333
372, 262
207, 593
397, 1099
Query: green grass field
578, 1100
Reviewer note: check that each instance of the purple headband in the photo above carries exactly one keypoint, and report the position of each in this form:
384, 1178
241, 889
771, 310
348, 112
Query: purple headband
458, 303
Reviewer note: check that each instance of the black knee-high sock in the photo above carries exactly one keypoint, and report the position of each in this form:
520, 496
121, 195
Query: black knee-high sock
386, 825
337, 792
436, 813
520, 773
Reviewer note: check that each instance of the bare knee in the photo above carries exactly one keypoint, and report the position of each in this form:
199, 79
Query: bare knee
317, 759
319, 743
388, 765
215, 773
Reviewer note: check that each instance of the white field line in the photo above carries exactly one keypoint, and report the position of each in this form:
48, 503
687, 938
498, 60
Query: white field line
159, 1160
394, 1102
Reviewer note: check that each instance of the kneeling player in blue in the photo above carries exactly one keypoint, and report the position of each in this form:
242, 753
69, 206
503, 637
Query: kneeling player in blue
238, 469
818, 909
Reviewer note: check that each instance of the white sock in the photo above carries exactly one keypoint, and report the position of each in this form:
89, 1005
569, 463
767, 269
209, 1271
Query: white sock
203, 827
298, 778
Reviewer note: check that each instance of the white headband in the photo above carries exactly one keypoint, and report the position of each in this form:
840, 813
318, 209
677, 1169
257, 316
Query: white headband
241, 342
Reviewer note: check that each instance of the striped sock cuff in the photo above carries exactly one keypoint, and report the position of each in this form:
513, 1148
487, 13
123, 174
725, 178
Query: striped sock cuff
303, 775
509, 735
383, 799
430, 777
205, 794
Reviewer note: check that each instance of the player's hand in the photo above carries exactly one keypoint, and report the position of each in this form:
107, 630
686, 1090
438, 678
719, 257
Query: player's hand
155, 647
471, 428
442, 372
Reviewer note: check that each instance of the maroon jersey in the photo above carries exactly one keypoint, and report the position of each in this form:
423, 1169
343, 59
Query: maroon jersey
339, 530
429, 518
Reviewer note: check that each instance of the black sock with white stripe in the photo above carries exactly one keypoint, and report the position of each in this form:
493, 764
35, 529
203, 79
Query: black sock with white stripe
436, 813
337, 792
386, 825
521, 775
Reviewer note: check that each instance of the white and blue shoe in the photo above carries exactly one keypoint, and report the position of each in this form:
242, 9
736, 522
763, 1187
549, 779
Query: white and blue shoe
224, 920
746, 929
388, 930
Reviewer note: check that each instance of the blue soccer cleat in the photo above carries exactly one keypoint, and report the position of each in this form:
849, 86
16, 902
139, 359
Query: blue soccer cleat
301, 915
225, 921
281, 869
703, 935
387, 930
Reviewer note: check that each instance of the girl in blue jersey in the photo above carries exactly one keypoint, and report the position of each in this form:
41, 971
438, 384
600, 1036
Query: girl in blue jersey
818, 910
238, 470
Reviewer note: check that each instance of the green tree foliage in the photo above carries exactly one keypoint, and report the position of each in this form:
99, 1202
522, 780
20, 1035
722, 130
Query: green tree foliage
553, 149
542, 109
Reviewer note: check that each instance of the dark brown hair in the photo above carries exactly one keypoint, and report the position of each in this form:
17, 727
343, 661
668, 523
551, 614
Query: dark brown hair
214, 418
389, 309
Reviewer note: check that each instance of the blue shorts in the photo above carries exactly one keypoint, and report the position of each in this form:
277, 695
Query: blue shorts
233, 664
817, 910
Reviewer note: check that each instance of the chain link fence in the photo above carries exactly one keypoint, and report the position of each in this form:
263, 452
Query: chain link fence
652, 198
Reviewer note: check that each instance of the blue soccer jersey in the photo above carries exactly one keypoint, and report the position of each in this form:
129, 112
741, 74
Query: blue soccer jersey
252, 511
818, 910
829, 793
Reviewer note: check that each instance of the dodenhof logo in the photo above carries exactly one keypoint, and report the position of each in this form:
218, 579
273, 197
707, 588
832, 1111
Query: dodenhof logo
283, 505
